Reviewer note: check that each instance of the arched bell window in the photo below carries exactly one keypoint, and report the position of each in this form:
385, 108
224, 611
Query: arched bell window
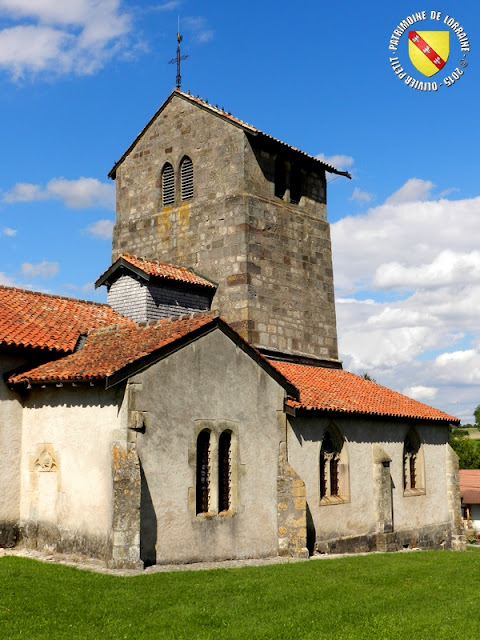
186, 178
168, 185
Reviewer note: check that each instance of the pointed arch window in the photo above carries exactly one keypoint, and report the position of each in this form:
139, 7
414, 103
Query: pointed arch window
186, 178
224, 471
413, 465
168, 185
334, 476
203, 472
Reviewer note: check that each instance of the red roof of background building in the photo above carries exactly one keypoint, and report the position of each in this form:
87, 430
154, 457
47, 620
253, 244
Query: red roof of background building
470, 486
42, 321
337, 390
156, 269
108, 350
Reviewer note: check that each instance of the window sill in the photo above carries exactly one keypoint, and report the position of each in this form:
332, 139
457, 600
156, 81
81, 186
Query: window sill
413, 492
210, 515
329, 500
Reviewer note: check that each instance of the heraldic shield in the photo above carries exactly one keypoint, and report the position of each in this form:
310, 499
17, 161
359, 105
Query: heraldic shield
428, 50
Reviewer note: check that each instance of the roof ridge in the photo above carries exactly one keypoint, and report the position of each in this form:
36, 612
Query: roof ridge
143, 259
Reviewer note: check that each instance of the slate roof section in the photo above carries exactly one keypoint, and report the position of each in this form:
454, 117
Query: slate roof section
152, 269
42, 321
470, 486
226, 116
338, 391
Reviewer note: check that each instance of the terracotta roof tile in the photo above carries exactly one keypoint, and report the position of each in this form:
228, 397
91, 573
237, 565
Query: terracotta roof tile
156, 269
227, 116
42, 321
337, 390
470, 486
108, 350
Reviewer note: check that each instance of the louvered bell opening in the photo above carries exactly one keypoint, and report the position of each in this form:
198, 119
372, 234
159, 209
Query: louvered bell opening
168, 185
187, 179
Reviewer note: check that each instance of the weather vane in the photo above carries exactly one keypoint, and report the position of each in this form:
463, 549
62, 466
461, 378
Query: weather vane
178, 58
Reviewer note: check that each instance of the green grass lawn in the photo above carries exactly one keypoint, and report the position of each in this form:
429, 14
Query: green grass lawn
413, 596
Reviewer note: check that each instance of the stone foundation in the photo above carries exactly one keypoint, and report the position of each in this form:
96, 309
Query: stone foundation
429, 537
8, 534
48, 538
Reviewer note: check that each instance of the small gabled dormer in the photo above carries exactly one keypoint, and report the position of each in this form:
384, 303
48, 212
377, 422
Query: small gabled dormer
146, 290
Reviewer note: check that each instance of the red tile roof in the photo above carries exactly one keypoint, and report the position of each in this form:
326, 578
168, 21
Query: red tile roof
109, 350
42, 321
336, 390
470, 486
227, 116
155, 269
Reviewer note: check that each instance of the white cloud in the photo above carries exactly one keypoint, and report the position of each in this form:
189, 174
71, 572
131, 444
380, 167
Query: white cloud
77, 36
7, 231
169, 6
84, 192
361, 196
5, 280
101, 229
407, 277
339, 161
24, 192
419, 392
43, 269
449, 267
76, 194
199, 28
413, 190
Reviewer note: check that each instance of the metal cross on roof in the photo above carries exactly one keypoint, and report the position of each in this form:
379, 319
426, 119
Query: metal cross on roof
178, 58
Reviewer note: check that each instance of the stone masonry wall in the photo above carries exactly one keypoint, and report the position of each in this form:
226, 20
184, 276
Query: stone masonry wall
270, 258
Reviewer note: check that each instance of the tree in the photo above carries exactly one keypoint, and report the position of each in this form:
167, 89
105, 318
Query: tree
366, 376
476, 413
466, 450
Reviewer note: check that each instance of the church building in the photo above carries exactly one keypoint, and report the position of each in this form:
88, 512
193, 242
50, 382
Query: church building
203, 413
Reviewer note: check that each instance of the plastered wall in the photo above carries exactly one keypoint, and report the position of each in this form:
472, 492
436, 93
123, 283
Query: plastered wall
360, 514
209, 384
10, 451
66, 467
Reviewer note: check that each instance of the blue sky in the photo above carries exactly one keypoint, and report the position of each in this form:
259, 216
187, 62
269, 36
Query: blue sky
79, 80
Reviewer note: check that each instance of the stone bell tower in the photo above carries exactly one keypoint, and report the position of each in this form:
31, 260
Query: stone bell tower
199, 188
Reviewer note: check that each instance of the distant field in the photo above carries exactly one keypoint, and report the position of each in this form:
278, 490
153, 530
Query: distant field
418, 596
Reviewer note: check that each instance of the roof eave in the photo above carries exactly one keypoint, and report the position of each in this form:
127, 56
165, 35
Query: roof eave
106, 277
372, 415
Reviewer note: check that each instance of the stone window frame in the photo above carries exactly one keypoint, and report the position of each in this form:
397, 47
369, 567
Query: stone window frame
215, 428
413, 464
336, 457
